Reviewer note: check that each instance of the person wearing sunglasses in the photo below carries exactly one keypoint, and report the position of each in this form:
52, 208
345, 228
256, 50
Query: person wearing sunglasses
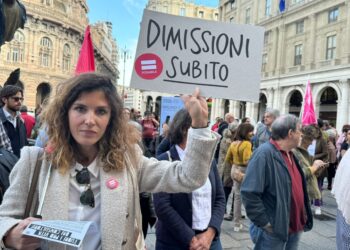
11, 102
97, 170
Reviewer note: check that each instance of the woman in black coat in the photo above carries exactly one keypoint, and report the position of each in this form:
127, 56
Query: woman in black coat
188, 220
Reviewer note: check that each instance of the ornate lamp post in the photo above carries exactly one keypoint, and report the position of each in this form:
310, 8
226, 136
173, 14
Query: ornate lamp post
125, 55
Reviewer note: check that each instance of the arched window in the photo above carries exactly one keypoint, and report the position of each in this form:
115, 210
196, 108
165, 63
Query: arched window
295, 103
16, 48
45, 53
67, 55
329, 105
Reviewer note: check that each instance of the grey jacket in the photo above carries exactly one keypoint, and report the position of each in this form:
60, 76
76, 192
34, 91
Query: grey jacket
119, 207
266, 191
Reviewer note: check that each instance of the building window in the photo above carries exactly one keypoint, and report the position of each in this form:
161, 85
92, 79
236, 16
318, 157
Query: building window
333, 15
233, 4
19, 37
182, 12
165, 9
266, 37
267, 7
47, 2
16, 48
298, 54
45, 53
331, 47
264, 62
247, 16
201, 14
216, 16
66, 58
299, 27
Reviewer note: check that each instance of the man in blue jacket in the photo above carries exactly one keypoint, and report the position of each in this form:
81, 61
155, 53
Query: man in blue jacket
274, 190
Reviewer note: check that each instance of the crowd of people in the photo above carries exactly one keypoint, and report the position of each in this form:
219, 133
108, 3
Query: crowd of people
179, 180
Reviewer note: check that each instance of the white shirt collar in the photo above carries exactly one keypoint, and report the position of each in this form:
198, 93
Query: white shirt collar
8, 114
93, 168
180, 152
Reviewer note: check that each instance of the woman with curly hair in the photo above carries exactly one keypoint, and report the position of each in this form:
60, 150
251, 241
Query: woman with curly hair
95, 170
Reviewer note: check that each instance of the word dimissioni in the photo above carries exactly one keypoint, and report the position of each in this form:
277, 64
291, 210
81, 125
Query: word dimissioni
197, 41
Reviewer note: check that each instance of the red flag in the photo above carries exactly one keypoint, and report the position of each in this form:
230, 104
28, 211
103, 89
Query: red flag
86, 61
309, 116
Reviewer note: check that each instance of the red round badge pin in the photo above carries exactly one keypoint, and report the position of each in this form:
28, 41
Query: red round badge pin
148, 66
112, 183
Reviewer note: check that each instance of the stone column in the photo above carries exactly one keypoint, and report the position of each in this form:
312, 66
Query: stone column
347, 33
255, 111
236, 109
214, 109
220, 110
274, 57
277, 97
310, 60
249, 108
212, 113
270, 97
343, 104
280, 49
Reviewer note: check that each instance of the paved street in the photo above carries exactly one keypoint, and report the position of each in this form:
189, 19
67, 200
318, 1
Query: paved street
322, 236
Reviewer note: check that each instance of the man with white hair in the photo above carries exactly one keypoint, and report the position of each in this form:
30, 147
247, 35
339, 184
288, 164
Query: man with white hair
274, 191
263, 132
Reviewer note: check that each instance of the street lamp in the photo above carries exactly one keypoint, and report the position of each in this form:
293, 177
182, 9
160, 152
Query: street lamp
125, 55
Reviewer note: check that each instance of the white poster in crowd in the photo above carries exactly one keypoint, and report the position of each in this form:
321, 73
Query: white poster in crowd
312, 148
169, 107
176, 54
70, 233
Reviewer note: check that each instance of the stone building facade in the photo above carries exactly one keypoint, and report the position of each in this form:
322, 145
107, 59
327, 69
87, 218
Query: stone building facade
183, 8
309, 41
47, 49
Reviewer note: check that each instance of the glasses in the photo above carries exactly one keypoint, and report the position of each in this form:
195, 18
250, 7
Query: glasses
83, 178
17, 99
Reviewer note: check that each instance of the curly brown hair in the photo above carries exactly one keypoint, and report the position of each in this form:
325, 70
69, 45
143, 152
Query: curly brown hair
119, 137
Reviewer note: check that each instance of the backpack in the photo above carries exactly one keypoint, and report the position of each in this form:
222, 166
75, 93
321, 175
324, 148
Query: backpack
7, 162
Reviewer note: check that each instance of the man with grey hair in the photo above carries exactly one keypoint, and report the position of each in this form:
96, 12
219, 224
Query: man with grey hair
263, 132
274, 190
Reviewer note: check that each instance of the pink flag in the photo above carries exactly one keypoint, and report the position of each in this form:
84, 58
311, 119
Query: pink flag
86, 61
309, 116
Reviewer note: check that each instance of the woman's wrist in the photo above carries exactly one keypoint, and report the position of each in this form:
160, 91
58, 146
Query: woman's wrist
199, 124
197, 127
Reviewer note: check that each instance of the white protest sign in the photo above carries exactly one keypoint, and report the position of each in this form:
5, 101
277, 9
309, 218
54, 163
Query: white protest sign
69, 233
176, 54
